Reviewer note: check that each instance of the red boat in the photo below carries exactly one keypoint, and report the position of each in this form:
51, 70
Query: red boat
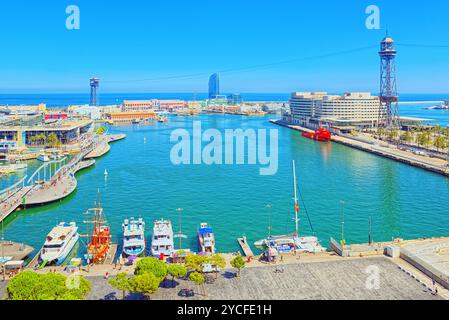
320, 134
100, 238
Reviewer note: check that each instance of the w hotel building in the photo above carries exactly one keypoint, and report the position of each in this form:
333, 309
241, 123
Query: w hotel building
355, 110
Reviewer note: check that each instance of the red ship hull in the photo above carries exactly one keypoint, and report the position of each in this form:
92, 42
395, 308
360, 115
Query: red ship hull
320, 134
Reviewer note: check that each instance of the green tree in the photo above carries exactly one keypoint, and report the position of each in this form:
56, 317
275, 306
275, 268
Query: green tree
146, 284
53, 140
151, 265
199, 280
393, 134
238, 263
176, 270
121, 282
195, 262
217, 261
29, 285
407, 137
101, 130
439, 142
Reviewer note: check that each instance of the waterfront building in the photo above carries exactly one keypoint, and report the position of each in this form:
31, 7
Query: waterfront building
139, 105
67, 131
355, 110
214, 86
91, 112
129, 117
172, 105
234, 99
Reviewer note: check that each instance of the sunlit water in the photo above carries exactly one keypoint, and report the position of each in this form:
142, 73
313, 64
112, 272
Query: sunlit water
401, 200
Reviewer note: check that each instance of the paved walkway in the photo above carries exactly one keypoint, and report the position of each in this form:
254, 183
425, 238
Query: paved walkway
336, 280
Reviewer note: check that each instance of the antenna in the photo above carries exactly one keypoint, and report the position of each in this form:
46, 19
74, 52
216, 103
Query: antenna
342, 221
370, 240
269, 219
296, 201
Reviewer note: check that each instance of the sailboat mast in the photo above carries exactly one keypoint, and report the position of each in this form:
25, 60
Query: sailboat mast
296, 201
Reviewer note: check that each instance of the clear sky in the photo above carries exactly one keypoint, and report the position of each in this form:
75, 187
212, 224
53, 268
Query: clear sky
124, 41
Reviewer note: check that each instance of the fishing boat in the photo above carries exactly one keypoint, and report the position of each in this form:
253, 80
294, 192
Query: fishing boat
100, 238
162, 244
321, 134
206, 239
133, 237
291, 242
60, 241
43, 158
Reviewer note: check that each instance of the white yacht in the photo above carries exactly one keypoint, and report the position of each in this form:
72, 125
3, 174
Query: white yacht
43, 158
162, 244
60, 241
206, 239
133, 237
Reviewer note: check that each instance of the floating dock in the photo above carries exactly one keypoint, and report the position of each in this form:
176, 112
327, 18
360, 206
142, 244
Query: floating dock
243, 242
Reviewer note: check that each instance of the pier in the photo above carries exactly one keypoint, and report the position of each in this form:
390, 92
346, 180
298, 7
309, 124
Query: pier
14, 251
243, 242
54, 180
435, 165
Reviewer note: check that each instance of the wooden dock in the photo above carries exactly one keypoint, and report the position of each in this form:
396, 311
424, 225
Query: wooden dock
243, 242
111, 254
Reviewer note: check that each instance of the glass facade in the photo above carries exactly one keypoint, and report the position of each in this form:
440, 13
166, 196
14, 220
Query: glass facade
214, 86
234, 99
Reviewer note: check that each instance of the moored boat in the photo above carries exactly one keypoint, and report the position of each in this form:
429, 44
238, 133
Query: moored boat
292, 242
43, 158
162, 243
133, 237
321, 134
206, 239
100, 238
60, 241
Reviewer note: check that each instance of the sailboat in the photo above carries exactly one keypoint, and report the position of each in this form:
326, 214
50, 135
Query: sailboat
100, 238
292, 242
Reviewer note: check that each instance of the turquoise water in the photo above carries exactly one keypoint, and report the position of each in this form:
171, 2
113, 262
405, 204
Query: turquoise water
402, 201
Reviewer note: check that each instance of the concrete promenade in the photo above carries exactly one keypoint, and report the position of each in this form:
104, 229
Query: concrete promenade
342, 279
58, 188
391, 152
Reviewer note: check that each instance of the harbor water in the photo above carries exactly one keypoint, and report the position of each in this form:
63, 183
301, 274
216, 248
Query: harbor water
401, 201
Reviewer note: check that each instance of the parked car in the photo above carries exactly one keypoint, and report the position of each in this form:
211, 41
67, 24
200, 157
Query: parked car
186, 293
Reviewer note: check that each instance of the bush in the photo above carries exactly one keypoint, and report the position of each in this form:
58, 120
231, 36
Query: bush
151, 265
29, 285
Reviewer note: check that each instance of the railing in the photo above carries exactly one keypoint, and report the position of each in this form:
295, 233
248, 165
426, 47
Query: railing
44, 167
6, 193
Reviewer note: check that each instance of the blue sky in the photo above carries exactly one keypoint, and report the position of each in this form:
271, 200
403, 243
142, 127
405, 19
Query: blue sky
123, 41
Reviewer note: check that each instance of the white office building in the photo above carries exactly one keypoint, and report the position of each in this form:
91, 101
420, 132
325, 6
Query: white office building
355, 110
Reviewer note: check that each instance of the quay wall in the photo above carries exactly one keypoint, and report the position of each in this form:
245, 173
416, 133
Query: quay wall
363, 146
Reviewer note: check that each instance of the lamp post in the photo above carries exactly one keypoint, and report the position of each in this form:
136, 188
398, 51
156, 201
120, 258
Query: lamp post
342, 222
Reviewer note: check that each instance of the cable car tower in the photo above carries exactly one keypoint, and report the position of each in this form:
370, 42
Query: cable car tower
388, 111
94, 85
